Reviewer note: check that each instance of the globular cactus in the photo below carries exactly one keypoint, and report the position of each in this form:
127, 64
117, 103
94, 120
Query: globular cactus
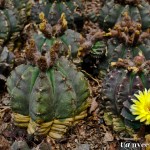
119, 86
113, 10
13, 17
6, 65
127, 40
54, 9
48, 95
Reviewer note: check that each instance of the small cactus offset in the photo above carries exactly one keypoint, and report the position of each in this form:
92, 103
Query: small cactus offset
113, 10
119, 86
93, 52
94, 62
48, 95
54, 9
13, 17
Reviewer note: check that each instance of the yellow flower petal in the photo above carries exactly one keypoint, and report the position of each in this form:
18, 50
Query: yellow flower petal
141, 106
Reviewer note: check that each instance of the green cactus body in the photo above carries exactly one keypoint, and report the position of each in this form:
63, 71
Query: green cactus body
119, 87
48, 95
24, 8
54, 9
70, 42
3, 25
112, 12
14, 23
57, 94
63, 95
6, 65
19, 88
128, 40
73, 40
13, 18
117, 50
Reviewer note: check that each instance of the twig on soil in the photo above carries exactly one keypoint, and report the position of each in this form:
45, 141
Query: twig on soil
91, 77
4, 108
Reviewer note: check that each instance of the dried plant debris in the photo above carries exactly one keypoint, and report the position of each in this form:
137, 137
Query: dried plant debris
90, 27
129, 31
4, 144
92, 9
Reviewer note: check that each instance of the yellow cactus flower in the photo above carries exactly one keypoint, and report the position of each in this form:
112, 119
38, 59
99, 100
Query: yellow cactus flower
141, 106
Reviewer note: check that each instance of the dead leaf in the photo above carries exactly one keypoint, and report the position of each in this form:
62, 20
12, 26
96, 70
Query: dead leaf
83, 147
3, 127
147, 141
68, 145
94, 105
108, 137
81, 131
112, 146
4, 144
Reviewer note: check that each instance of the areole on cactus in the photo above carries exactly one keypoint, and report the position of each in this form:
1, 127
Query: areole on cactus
48, 95
119, 87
